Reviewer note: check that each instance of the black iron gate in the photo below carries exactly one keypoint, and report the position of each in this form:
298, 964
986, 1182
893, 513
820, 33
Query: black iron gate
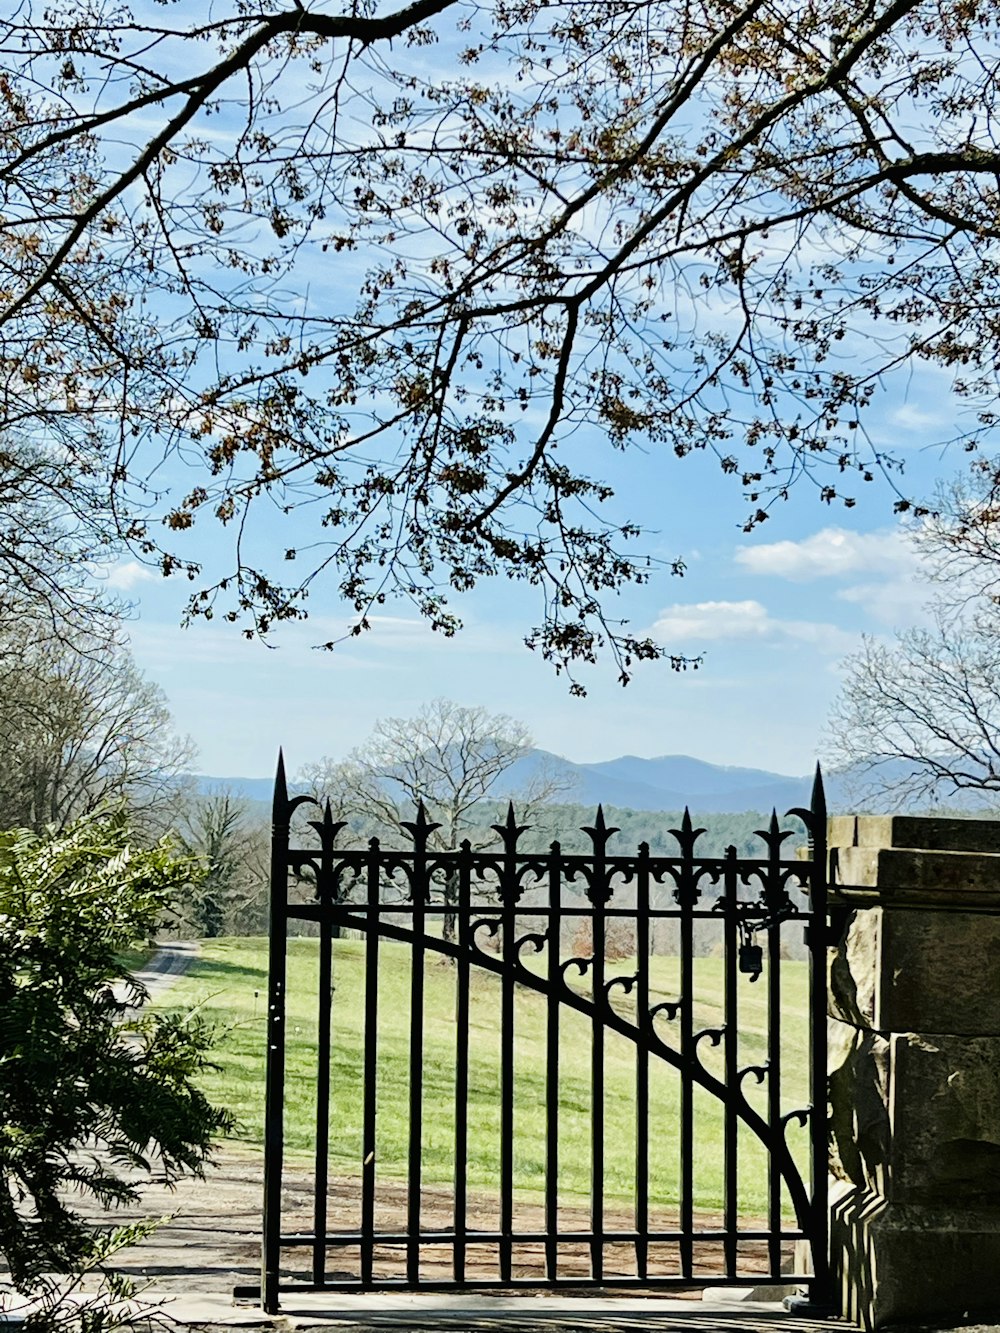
655, 993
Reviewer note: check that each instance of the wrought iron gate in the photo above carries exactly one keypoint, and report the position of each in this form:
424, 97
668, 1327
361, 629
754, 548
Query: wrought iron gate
657, 956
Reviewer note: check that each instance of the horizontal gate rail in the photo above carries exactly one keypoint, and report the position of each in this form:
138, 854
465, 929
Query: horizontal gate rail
578, 931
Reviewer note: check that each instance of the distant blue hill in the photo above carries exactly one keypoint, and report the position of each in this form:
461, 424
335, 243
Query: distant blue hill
668, 782
251, 789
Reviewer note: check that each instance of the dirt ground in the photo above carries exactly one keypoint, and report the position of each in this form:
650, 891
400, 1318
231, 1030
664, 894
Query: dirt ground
210, 1238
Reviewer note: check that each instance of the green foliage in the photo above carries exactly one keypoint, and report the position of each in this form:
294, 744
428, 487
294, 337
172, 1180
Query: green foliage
230, 896
90, 1090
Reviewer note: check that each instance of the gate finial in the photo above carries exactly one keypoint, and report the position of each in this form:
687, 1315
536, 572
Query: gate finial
279, 803
817, 800
687, 835
419, 829
510, 830
600, 832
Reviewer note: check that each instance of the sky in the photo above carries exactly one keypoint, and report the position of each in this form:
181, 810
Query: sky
774, 614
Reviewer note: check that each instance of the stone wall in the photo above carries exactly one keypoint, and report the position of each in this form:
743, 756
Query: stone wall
914, 1072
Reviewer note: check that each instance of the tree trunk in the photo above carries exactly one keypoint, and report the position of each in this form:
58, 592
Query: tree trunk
450, 900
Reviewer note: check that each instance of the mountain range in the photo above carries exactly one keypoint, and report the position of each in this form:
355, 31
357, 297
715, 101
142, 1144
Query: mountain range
668, 782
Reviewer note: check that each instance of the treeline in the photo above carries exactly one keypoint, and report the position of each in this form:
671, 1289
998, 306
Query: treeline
84, 735
565, 823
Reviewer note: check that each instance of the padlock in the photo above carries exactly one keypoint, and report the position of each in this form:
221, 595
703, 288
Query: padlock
751, 960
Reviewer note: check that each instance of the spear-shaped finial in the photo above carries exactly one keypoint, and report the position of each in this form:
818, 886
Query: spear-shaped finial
419, 829
600, 832
279, 803
773, 835
510, 830
687, 835
818, 798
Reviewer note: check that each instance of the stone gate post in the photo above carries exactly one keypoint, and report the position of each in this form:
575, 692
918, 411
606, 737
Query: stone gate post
914, 1072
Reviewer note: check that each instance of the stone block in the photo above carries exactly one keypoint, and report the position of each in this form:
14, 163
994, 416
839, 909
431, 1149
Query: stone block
918, 970
895, 1262
854, 974
943, 879
944, 1097
914, 1068
915, 832
914, 1117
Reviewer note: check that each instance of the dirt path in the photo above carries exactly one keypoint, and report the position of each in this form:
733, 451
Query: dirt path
211, 1240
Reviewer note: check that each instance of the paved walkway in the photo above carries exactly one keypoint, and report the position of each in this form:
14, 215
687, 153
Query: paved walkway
479, 1314
164, 967
523, 1314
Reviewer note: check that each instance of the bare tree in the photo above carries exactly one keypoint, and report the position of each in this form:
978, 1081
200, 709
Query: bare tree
82, 729
961, 539
384, 286
451, 758
919, 719
56, 532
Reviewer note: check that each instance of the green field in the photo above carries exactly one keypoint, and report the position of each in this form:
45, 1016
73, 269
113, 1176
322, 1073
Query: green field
228, 984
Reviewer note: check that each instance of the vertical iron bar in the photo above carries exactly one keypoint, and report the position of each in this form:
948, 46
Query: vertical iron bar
322, 1166
597, 1075
462, 982
687, 1083
552, 1066
642, 1063
415, 1163
731, 1056
370, 1090
274, 1085
820, 1286
771, 897
508, 893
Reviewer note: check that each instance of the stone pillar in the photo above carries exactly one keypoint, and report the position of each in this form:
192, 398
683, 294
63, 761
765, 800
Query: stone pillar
914, 1051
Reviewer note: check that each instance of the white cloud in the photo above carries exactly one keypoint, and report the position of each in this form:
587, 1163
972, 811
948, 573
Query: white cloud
712, 620
896, 603
833, 553
392, 643
124, 577
895, 585
910, 417
695, 623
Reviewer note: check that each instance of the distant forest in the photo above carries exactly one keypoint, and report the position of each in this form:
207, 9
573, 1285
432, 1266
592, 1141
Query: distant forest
564, 822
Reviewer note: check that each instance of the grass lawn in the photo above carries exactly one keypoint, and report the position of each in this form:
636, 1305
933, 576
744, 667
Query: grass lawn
228, 984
